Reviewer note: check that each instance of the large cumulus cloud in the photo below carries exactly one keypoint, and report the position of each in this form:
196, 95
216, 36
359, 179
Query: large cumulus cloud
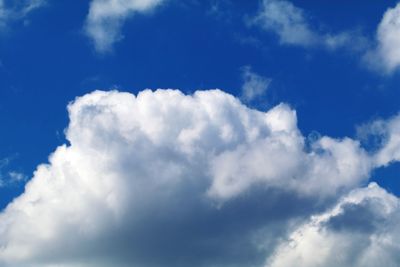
167, 179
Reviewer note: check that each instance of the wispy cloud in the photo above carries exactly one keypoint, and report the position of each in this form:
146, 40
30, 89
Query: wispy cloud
254, 85
9, 177
106, 18
291, 24
384, 137
11, 11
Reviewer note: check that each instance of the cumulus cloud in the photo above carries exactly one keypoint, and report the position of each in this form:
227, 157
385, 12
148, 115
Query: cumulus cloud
167, 179
362, 230
106, 18
254, 85
291, 24
386, 56
16, 10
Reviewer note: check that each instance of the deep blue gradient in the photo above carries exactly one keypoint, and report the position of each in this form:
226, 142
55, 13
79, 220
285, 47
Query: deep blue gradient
48, 62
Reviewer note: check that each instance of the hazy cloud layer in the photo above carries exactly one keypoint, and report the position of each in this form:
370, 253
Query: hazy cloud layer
167, 179
11, 11
106, 18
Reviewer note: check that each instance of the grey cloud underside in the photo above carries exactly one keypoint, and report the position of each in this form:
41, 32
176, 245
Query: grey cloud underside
197, 235
167, 179
361, 230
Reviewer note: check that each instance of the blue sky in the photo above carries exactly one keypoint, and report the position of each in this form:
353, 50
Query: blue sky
328, 62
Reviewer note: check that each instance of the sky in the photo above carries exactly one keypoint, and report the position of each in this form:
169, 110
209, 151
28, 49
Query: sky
262, 133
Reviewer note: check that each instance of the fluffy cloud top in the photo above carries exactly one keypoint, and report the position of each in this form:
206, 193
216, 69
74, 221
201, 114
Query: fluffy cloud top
106, 18
167, 179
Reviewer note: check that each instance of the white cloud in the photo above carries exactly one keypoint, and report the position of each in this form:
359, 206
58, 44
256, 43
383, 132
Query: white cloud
362, 230
292, 26
10, 177
386, 56
11, 11
167, 179
106, 18
17, 177
384, 136
287, 21
254, 85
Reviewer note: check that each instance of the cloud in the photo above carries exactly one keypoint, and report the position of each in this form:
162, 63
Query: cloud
11, 11
361, 230
254, 85
385, 57
287, 21
293, 27
291, 24
384, 137
10, 177
167, 179
106, 18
